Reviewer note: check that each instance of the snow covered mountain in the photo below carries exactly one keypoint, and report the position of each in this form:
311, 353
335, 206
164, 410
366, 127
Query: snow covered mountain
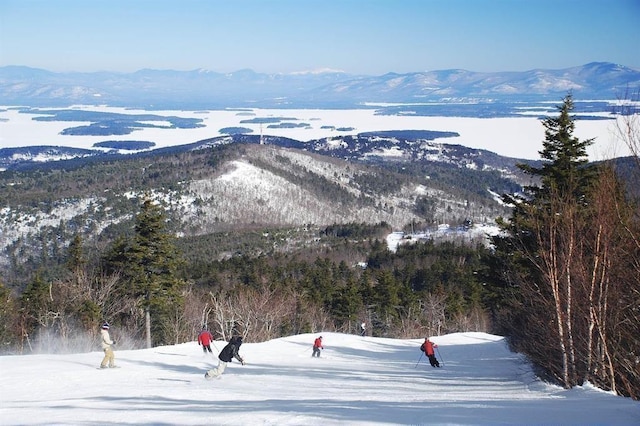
356, 381
596, 80
370, 147
244, 185
206, 89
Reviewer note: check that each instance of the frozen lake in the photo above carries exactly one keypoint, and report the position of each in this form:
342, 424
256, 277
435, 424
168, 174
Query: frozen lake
519, 137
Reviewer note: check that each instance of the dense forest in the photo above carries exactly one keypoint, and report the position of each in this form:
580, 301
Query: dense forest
561, 281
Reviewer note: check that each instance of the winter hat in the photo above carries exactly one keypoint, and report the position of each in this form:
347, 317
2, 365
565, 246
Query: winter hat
105, 326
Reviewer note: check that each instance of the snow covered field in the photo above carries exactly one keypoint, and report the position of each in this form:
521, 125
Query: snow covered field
356, 381
519, 137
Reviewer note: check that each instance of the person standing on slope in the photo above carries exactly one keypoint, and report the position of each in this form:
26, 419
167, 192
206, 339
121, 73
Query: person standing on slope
428, 348
226, 355
109, 358
204, 338
317, 345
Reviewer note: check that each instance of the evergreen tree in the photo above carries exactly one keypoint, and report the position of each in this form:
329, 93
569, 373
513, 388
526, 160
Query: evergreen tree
149, 264
8, 320
75, 256
564, 158
34, 305
347, 304
535, 262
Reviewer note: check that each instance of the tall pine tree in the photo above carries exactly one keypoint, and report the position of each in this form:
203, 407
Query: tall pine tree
148, 264
535, 258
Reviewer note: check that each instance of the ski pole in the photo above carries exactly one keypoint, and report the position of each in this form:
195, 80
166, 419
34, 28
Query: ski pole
419, 359
441, 359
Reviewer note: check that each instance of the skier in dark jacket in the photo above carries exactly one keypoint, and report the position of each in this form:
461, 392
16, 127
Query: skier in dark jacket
428, 348
227, 354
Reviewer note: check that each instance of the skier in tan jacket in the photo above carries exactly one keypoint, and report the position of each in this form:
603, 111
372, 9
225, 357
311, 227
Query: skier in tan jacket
109, 357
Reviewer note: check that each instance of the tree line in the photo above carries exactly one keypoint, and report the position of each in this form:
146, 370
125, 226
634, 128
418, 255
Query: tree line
156, 294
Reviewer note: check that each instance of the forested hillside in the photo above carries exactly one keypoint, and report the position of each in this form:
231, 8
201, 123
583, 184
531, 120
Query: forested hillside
227, 189
300, 233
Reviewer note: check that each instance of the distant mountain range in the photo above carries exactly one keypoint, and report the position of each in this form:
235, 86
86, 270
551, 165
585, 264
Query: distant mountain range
200, 89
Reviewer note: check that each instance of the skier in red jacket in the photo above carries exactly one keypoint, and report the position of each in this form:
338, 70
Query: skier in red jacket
428, 348
317, 345
204, 338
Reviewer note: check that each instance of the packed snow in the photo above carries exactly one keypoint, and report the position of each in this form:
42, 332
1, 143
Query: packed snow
479, 231
356, 381
517, 137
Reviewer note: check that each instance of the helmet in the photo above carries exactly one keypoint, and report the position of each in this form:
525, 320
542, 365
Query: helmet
105, 326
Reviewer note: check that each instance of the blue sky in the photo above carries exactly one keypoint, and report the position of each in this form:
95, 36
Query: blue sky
356, 36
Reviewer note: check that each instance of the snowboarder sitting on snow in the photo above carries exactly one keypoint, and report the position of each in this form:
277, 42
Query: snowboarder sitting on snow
106, 342
427, 347
226, 355
317, 345
204, 338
